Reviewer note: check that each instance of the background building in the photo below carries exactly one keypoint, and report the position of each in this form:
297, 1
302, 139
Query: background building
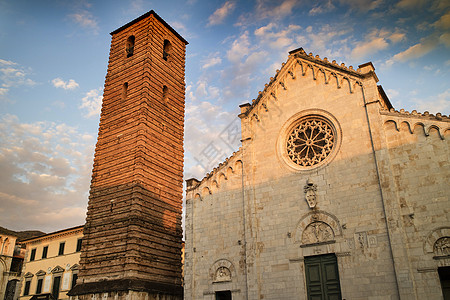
333, 195
11, 259
51, 264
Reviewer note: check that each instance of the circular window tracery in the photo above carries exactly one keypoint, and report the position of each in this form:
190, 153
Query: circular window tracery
310, 141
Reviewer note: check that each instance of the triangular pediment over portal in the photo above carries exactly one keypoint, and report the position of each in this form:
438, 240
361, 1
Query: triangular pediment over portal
57, 269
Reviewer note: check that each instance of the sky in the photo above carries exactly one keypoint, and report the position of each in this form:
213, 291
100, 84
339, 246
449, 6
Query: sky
53, 62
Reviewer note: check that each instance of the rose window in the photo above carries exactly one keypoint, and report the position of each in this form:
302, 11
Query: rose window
310, 141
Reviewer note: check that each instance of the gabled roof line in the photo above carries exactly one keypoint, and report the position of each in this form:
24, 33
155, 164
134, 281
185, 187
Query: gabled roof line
196, 183
316, 60
384, 97
263, 92
324, 62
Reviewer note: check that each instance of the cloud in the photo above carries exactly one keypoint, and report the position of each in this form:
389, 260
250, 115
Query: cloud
440, 103
443, 22
272, 9
243, 73
375, 42
246, 58
92, 102
136, 6
362, 5
397, 37
69, 85
328, 41
7, 62
205, 148
423, 26
12, 75
263, 30
276, 39
211, 62
322, 8
85, 19
45, 174
410, 4
392, 94
425, 46
221, 13
178, 26
239, 49
439, 35
440, 5
204, 91
445, 39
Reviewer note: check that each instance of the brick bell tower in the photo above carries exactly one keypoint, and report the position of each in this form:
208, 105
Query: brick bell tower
132, 236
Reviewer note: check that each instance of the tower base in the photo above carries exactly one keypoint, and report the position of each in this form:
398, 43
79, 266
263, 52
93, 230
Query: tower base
126, 289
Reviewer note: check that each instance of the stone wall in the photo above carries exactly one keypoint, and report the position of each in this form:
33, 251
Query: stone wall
418, 152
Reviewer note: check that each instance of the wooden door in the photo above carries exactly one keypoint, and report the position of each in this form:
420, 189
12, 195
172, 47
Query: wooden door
444, 276
56, 284
223, 295
322, 277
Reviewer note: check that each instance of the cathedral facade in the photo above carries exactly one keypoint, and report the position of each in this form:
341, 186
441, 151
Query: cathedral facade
333, 195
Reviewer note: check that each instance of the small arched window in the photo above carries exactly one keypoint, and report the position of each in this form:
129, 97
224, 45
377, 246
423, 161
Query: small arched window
124, 90
167, 49
130, 46
165, 94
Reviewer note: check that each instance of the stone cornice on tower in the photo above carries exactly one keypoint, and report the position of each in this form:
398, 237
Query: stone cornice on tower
152, 12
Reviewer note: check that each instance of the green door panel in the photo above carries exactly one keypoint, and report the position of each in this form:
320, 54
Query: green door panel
322, 277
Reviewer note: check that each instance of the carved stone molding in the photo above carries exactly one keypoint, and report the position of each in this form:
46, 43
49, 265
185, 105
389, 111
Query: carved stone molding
323, 224
442, 246
208, 292
438, 236
361, 239
222, 270
317, 232
310, 190
426, 270
57, 269
222, 274
343, 254
424, 126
